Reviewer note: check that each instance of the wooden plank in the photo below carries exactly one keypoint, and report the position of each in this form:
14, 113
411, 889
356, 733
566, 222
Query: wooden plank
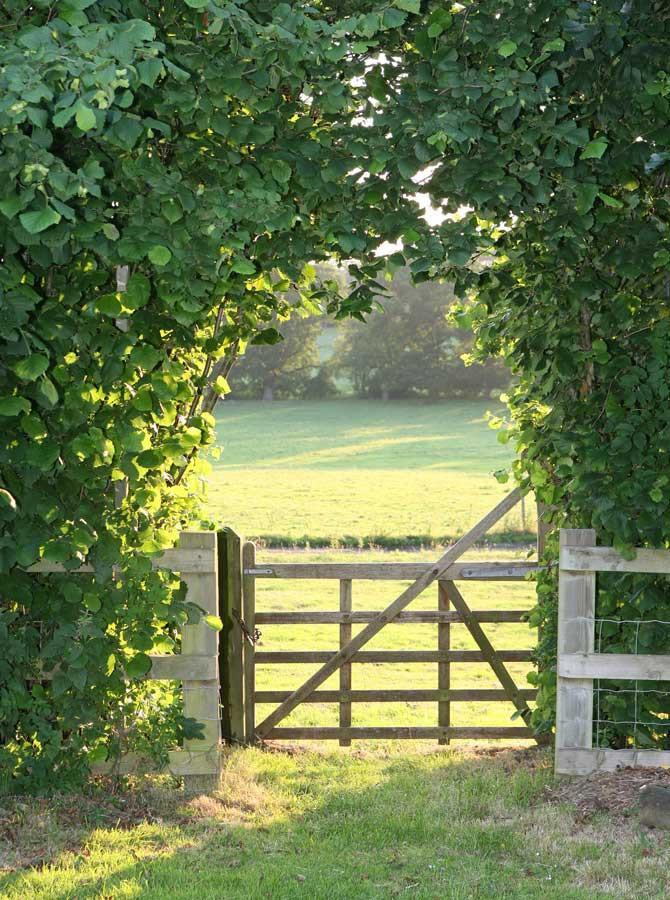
179, 559
201, 697
280, 657
249, 613
404, 599
231, 654
51, 568
182, 668
398, 733
387, 571
398, 696
184, 561
491, 655
345, 670
180, 763
318, 617
585, 762
621, 666
443, 667
576, 611
606, 559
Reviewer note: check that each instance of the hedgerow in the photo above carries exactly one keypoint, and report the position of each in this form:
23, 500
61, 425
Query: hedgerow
168, 173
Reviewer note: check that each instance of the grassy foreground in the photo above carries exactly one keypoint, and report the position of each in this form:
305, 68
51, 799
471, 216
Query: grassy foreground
334, 825
357, 472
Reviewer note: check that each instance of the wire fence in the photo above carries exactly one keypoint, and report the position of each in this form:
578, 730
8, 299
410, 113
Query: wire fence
647, 728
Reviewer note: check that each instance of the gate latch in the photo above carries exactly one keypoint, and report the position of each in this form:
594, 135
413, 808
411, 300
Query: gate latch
252, 637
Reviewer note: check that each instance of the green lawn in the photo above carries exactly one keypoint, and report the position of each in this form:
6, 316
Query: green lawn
367, 471
334, 826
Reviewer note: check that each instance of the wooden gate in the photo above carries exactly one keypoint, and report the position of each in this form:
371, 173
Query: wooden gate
239, 573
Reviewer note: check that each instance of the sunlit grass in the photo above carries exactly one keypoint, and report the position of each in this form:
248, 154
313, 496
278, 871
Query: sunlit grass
339, 825
358, 469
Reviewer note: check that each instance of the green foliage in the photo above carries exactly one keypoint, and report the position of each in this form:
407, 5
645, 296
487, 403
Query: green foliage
215, 149
197, 155
541, 130
409, 349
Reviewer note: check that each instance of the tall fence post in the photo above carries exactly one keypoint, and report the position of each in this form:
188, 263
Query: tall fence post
444, 666
231, 647
201, 698
576, 613
249, 612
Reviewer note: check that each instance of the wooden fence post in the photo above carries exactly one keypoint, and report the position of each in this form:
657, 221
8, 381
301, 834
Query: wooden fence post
249, 612
201, 698
231, 647
443, 668
345, 671
543, 529
576, 613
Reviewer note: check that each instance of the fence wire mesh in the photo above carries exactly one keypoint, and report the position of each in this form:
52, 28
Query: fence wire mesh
629, 704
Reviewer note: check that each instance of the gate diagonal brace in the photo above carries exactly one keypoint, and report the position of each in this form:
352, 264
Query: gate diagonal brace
488, 651
346, 653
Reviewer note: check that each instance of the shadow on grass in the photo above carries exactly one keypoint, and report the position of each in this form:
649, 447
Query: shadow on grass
305, 824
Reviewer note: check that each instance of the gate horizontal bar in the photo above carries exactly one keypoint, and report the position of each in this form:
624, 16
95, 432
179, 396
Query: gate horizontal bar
391, 696
621, 666
465, 571
396, 656
318, 617
398, 733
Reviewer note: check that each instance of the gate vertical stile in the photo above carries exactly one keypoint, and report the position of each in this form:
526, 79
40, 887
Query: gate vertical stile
345, 670
249, 614
229, 545
444, 666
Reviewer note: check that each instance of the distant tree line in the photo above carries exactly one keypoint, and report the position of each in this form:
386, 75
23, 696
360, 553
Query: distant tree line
408, 349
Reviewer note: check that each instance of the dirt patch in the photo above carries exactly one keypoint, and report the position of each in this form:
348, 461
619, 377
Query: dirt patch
616, 793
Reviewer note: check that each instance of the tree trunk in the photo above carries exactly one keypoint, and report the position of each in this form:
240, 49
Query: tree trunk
385, 394
268, 393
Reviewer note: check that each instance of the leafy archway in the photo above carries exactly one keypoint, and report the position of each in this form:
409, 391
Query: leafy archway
171, 169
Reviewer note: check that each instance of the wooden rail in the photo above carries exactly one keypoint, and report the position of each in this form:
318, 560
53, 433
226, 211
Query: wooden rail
433, 617
279, 657
401, 695
399, 732
385, 571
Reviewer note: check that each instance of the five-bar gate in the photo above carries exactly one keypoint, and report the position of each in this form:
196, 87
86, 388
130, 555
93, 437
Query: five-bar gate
240, 655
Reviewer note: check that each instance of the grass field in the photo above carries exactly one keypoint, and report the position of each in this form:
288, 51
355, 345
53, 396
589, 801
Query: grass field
335, 826
357, 472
